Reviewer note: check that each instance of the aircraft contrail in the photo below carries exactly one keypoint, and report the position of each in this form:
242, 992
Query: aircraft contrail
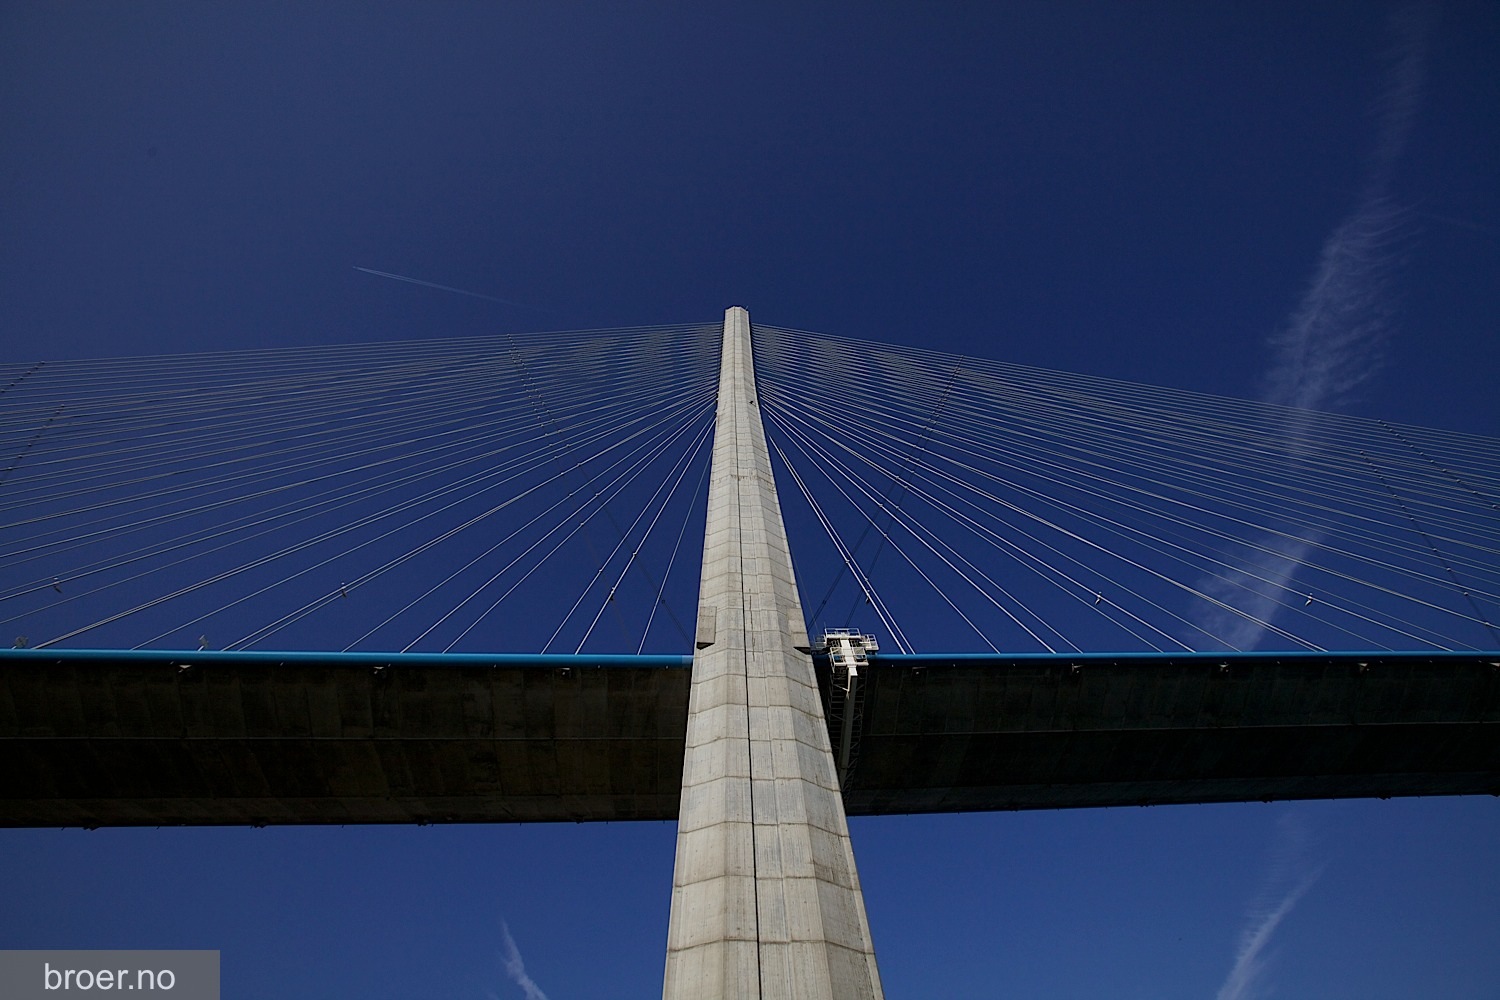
1287, 882
442, 288
515, 968
1332, 343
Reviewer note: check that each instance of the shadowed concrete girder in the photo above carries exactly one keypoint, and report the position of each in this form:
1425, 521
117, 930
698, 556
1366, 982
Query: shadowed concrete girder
966, 732
152, 739
765, 899
126, 738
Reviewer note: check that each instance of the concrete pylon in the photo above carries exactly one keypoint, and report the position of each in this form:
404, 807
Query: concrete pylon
766, 902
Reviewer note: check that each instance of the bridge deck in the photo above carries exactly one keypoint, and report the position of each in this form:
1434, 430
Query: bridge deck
97, 739
944, 734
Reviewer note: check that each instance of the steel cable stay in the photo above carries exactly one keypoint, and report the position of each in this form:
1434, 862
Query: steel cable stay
1441, 469
213, 436
1047, 499
1027, 556
1099, 485
893, 456
1100, 600
1050, 507
323, 600
404, 557
1442, 559
557, 545
1103, 550
895, 519
398, 419
324, 452
659, 601
1211, 476
13, 375
881, 395
1311, 538
263, 560
648, 350
166, 389
1215, 404
1384, 524
70, 376
280, 461
134, 415
567, 516
1454, 446
1144, 396
543, 413
163, 399
644, 405
1136, 432
605, 426
453, 436
22, 425
933, 413
678, 472
996, 540
313, 501
866, 586
906, 449
126, 368
261, 429
339, 499
1331, 465
1011, 444
1275, 470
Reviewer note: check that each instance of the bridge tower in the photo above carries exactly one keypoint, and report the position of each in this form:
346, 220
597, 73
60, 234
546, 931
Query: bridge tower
766, 902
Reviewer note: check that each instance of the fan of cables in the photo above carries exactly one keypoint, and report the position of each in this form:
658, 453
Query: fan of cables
963, 504
545, 493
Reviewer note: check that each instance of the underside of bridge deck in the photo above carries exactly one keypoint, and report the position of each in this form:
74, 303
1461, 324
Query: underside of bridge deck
101, 739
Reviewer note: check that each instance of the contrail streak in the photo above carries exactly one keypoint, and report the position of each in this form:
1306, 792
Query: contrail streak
441, 288
1286, 883
1249, 963
515, 968
1332, 342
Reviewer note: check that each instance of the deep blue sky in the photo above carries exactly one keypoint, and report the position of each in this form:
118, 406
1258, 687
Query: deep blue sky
1138, 190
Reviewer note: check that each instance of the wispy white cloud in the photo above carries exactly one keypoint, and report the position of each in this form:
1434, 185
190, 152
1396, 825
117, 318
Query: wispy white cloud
1333, 342
1289, 877
1256, 595
515, 968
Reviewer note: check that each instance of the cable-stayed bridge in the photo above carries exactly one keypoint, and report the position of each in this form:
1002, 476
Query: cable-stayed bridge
1107, 557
